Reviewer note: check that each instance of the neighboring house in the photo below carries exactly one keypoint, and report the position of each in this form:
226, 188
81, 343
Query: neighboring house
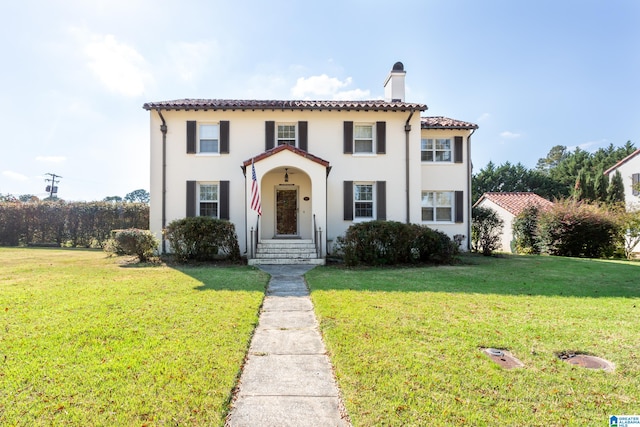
629, 169
320, 166
508, 206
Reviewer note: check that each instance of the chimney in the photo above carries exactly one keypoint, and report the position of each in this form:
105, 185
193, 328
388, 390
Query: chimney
394, 84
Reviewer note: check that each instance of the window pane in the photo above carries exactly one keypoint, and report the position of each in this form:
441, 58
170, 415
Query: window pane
364, 146
443, 144
208, 131
364, 210
427, 214
363, 192
209, 209
427, 199
363, 132
427, 156
443, 214
208, 145
208, 192
443, 156
443, 199
286, 131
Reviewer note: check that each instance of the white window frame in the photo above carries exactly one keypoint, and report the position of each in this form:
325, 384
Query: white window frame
357, 138
435, 206
372, 201
204, 197
430, 146
286, 140
201, 138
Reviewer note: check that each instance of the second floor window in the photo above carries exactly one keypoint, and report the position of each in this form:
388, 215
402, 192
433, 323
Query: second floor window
286, 134
209, 138
363, 139
436, 150
208, 200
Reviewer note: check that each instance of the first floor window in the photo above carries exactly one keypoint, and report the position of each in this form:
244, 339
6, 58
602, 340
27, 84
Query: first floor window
286, 134
208, 200
363, 139
436, 150
363, 200
437, 206
635, 184
208, 138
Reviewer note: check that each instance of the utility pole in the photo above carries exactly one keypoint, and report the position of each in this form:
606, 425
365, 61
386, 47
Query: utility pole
53, 188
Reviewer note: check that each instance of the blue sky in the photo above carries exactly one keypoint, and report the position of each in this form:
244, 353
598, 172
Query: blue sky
531, 74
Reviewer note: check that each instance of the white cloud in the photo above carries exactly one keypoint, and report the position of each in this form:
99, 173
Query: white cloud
192, 59
509, 135
51, 159
483, 117
15, 176
325, 87
118, 66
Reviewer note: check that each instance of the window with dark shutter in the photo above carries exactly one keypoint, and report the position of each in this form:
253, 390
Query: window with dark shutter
191, 198
269, 135
224, 137
381, 136
191, 137
381, 200
302, 136
457, 149
635, 184
348, 200
348, 138
459, 202
224, 200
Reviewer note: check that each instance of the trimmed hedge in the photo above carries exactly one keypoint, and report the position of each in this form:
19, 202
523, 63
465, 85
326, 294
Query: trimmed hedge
391, 243
202, 238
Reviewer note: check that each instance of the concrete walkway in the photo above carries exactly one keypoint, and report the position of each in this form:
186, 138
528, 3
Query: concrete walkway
287, 379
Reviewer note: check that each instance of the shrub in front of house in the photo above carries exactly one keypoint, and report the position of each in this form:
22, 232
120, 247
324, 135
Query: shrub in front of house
486, 229
392, 242
132, 241
578, 229
203, 238
525, 231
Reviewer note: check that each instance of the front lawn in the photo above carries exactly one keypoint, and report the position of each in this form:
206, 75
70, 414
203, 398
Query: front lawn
88, 341
406, 343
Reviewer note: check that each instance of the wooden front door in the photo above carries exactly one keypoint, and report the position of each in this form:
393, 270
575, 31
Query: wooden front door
286, 212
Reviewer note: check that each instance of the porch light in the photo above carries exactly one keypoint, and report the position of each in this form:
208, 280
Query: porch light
286, 174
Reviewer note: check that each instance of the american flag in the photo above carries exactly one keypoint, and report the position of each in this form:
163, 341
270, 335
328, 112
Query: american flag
255, 194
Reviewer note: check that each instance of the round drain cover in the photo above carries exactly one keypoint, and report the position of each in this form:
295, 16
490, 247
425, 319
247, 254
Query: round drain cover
589, 362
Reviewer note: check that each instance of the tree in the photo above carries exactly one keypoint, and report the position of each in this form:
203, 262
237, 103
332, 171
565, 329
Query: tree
615, 192
630, 229
114, 199
600, 187
486, 229
140, 196
28, 198
556, 155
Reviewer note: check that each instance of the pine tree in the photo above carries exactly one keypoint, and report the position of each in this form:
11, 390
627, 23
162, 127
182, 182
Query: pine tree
601, 187
615, 192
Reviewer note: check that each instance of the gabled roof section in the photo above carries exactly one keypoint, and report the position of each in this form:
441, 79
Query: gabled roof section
621, 162
440, 122
514, 203
281, 148
232, 104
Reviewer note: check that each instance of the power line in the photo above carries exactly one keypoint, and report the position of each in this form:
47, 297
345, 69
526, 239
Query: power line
53, 188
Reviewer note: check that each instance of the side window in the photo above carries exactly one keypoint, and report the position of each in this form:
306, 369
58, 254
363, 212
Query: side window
208, 200
437, 206
286, 134
436, 150
208, 138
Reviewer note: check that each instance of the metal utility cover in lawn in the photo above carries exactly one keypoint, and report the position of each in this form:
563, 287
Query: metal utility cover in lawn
504, 358
587, 361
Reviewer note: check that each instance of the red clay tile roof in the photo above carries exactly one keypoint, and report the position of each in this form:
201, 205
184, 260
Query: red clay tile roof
621, 162
440, 122
516, 202
231, 104
291, 148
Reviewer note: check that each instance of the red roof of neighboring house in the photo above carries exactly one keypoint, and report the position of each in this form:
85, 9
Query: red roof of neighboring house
440, 122
239, 104
516, 202
621, 162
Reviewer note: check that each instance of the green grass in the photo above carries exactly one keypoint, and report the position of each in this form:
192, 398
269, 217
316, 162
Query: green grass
406, 343
87, 340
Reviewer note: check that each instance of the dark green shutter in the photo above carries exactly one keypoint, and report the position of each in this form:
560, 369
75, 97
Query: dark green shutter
381, 136
224, 137
269, 135
224, 200
459, 206
348, 138
191, 137
348, 200
457, 149
381, 200
303, 142
191, 198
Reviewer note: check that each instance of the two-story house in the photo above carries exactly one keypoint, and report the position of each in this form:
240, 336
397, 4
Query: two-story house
319, 166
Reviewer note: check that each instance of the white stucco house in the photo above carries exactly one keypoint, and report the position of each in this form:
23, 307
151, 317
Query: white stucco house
320, 166
629, 169
508, 206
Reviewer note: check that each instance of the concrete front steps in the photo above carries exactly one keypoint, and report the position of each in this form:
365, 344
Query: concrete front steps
286, 251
